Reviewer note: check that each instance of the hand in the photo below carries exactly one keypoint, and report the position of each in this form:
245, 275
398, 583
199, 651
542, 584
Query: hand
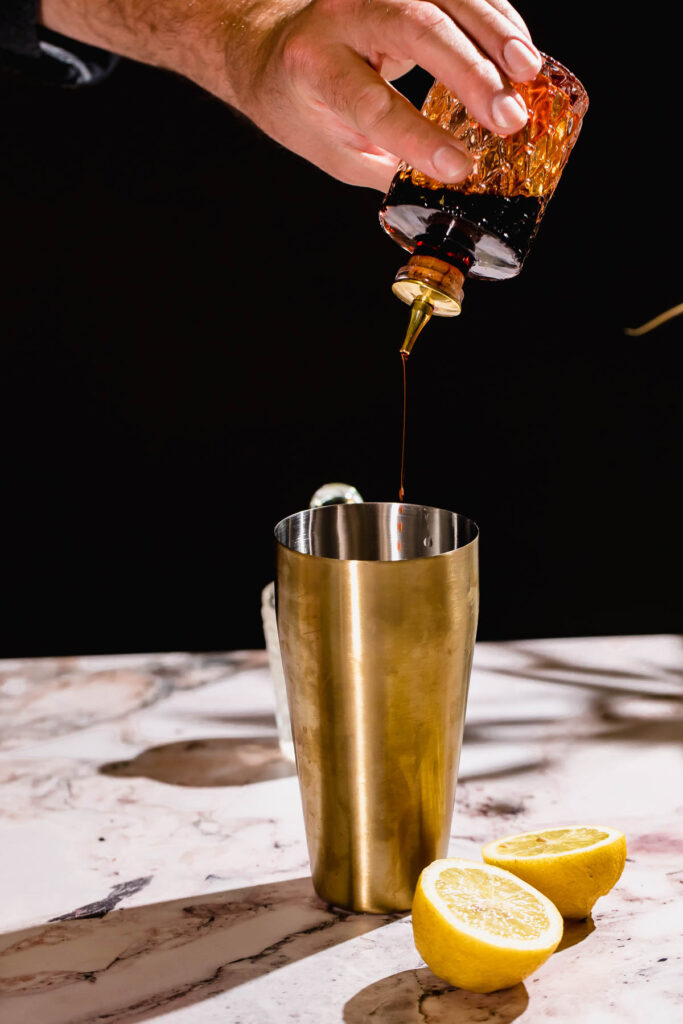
323, 90
315, 74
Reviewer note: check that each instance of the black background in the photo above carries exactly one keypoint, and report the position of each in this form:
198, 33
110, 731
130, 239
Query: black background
198, 330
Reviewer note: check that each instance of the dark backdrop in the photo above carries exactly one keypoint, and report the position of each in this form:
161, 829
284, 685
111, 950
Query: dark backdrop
198, 330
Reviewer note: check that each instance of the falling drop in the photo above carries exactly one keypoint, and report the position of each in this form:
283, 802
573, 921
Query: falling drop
427, 542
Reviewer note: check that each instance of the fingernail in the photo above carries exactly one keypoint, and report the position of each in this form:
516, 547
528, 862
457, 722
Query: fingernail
523, 61
452, 163
509, 111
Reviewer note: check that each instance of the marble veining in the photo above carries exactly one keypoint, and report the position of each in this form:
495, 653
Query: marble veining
154, 862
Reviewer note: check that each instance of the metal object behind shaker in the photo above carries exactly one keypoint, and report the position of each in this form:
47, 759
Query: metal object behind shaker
329, 494
377, 613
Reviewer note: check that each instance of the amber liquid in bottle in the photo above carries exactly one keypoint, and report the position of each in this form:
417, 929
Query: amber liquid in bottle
487, 235
484, 226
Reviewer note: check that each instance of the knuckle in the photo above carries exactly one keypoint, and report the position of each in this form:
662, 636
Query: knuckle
456, 8
426, 19
372, 106
494, 22
414, 148
336, 92
333, 8
299, 55
460, 9
480, 72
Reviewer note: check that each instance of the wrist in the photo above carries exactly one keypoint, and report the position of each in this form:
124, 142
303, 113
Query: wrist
186, 36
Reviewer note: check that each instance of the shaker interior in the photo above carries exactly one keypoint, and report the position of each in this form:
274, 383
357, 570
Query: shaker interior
375, 531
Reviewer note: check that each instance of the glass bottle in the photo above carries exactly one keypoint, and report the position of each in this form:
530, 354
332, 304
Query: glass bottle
483, 226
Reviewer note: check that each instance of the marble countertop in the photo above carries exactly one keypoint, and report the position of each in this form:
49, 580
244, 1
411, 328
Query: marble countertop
154, 861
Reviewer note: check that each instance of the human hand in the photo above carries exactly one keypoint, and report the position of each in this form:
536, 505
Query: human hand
319, 81
315, 74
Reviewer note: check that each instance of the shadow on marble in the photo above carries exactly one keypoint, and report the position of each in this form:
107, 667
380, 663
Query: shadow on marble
610, 715
138, 962
541, 667
265, 719
575, 932
639, 718
501, 771
225, 761
413, 997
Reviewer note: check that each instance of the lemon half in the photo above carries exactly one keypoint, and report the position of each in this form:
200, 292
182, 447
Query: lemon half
479, 927
572, 866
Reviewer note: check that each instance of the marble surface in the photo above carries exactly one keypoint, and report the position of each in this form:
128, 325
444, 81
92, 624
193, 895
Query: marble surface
154, 862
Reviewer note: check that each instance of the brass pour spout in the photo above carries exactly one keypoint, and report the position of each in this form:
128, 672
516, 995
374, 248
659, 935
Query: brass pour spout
420, 314
429, 286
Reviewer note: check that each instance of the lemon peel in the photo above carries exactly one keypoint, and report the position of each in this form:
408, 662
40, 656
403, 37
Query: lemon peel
573, 866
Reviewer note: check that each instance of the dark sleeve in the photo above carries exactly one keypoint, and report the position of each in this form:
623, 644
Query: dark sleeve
28, 48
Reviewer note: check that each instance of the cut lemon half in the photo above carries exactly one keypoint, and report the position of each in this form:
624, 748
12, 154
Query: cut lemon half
479, 927
572, 866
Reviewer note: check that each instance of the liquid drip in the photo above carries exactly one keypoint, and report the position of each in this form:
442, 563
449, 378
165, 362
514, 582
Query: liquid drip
401, 493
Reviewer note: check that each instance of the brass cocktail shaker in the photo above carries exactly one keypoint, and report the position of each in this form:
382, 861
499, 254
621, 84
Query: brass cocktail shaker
377, 610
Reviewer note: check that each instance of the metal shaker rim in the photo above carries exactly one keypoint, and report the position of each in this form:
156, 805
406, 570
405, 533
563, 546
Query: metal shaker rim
376, 532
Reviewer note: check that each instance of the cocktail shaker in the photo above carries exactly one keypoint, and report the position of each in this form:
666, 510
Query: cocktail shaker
377, 611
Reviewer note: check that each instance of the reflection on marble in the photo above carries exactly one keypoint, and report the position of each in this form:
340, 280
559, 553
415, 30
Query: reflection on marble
154, 859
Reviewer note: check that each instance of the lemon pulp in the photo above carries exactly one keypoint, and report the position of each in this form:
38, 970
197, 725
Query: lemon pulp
491, 903
552, 840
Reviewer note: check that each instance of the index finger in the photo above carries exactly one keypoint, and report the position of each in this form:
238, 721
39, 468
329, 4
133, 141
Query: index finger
364, 101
